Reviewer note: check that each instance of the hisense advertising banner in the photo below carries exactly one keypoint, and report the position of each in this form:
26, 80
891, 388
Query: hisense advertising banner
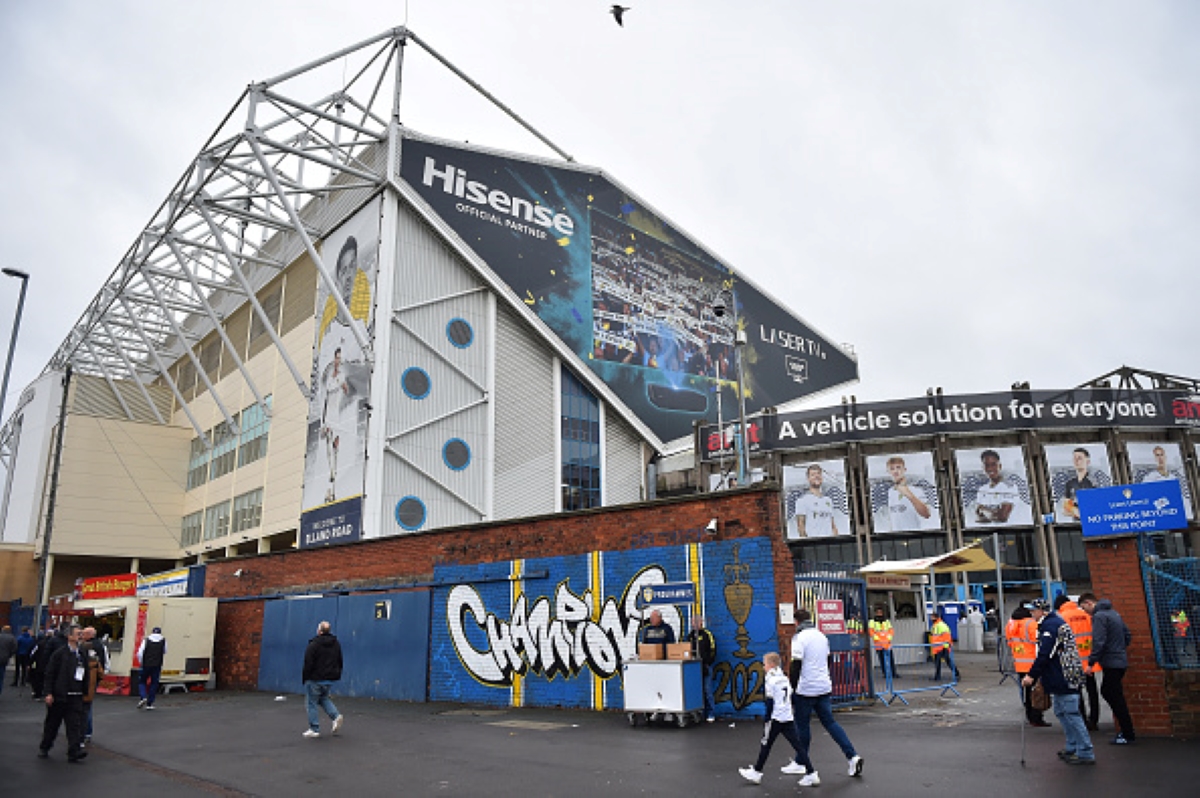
633, 296
1078, 408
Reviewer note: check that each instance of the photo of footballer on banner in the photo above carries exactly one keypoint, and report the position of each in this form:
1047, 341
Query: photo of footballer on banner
336, 446
904, 495
1074, 468
1153, 462
815, 500
994, 487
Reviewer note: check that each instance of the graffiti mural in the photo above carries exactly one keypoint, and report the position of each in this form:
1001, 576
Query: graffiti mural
554, 631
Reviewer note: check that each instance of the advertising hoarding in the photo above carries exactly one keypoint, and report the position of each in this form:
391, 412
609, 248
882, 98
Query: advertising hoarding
904, 494
1075, 467
336, 446
993, 487
815, 501
622, 287
1157, 462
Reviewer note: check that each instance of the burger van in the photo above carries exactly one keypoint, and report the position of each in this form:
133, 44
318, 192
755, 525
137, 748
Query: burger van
122, 623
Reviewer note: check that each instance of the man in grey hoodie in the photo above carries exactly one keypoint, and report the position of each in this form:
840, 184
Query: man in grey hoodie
1110, 638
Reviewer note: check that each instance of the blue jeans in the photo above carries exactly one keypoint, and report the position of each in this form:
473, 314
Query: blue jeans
1066, 709
804, 706
148, 683
317, 694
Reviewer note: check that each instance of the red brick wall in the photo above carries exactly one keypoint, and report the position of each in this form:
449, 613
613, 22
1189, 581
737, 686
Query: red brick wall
1162, 703
747, 513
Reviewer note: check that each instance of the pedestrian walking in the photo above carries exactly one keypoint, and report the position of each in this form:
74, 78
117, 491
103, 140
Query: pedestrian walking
322, 667
8, 650
705, 647
941, 641
780, 720
50, 642
151, 653
96, 656
25, 645
1058, 667
64, 686
1081, 627
1110, 639
813, 691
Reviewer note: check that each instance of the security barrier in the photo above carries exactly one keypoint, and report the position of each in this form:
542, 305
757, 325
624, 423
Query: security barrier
890, 692
1173, 599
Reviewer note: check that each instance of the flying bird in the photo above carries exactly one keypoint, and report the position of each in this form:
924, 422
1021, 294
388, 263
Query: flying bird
617, 12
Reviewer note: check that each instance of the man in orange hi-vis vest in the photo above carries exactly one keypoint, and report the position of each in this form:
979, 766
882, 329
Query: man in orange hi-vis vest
1021, 634
940, 642
1081, 625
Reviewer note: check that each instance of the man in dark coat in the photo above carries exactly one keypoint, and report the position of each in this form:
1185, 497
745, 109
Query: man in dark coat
1110, 638
322, 667
66, 673
47, 644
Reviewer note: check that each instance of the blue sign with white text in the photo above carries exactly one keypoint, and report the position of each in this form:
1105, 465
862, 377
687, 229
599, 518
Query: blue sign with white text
668, 593
1132, 509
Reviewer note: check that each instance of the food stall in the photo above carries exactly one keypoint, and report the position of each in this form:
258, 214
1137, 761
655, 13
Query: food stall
664, 685
124, 609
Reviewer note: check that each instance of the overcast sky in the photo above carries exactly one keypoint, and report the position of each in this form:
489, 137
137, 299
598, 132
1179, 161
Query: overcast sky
970, 193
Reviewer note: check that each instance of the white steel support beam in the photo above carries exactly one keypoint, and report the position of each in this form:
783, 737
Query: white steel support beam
166, 375
108, 378
360, 334
120, 347
231, 260
200, 370
220, 328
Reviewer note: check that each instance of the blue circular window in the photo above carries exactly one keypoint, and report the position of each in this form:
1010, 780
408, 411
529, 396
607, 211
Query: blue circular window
460, 332
416, 383
410, 513
457, 454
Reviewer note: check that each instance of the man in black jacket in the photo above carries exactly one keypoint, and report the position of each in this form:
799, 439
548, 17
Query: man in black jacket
1110, 638
64, 686
50, 642
1056, 642
705, 646
322, 667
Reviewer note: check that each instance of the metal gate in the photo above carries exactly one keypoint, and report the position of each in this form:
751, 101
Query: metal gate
384, 637
851, 666
1173, 600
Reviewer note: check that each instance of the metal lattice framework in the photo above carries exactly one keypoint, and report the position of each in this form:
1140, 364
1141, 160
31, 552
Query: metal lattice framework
257, 196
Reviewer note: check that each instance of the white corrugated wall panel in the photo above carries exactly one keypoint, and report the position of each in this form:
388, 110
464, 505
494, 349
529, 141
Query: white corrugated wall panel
622, 462
527, 474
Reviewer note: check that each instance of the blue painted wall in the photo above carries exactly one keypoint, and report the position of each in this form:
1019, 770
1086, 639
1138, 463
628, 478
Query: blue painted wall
553, 631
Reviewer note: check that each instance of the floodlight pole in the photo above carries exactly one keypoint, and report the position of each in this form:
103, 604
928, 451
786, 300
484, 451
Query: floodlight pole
739, 341
12, 342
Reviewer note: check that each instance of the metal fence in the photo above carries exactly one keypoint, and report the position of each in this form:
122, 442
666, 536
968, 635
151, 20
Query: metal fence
1173, 599
851, 667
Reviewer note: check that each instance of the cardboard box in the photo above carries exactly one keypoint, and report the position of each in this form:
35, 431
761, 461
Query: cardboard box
679, 651
650, 651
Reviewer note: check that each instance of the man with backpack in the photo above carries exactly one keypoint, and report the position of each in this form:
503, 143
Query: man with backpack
1061, 672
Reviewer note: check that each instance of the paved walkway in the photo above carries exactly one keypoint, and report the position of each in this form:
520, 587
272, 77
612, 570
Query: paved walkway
236, 744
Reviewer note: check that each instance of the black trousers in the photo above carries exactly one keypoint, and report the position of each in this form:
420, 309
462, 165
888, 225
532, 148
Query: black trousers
71, 712
22, 671
1114, 695
1092, 715
1032, 715
788, 729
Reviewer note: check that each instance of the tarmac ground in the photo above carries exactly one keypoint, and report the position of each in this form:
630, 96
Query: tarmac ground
249, 744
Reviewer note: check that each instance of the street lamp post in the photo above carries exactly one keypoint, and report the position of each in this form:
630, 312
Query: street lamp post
12, 343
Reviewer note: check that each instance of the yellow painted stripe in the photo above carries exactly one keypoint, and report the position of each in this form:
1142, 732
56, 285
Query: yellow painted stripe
695, 559
518, 684
597, 586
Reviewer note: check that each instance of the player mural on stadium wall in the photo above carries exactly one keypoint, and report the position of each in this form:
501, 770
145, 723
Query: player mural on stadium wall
1075, 467
1154, 462
994, 487
554, 631
815, 501
904, 494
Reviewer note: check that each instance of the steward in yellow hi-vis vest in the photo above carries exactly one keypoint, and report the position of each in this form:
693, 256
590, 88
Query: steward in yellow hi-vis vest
940, 642
882, 634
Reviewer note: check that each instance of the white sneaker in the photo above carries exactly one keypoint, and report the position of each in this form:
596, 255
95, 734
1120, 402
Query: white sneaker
811, 780
310, 733
141, 703
855, 762
337, 723
751, 775
149, 706
794, 769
